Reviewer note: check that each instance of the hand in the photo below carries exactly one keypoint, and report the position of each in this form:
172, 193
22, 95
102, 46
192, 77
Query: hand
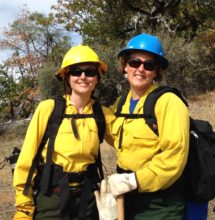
106, 203
122, 183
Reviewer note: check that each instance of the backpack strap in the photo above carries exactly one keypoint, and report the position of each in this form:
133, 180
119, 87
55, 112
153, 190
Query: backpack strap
77, 116
120, 104
124, 115
150, 102
50, 133
100, 120
98, 115
55, 122
148, 108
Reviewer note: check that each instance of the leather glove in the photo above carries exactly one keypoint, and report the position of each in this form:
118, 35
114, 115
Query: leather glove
106, 202
24, 212
122, 183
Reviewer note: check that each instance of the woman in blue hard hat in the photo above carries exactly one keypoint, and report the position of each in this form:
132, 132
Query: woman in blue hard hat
149, 166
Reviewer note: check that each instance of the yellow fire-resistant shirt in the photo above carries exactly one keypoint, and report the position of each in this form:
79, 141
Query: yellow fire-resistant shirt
157, 161
72, 154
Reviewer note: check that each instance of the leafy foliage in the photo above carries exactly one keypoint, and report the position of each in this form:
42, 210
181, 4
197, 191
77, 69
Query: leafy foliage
16, 95
186, 29
107, 21
49, 85
191, 69
34, 40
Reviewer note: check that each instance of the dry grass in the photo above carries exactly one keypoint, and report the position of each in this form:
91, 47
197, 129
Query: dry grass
202, 107
9, 138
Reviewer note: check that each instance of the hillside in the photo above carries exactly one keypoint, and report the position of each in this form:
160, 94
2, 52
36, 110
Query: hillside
12, 134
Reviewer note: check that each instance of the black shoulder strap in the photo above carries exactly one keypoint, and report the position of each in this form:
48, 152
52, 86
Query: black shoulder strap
100, 120
101, 125
118, 114
150, 102
126, 115
98, 115
50, 133
53, 126
120, 104
148, 108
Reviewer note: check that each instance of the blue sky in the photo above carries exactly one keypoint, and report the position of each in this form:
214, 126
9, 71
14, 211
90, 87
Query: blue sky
9, 10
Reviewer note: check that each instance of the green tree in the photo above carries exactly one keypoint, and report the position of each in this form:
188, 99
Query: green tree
181, 25
50, 86
105, 21
191, 68
9, 89
34, 40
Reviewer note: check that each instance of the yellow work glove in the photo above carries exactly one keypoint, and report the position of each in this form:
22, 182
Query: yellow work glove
24, 212
106, 202
122, 183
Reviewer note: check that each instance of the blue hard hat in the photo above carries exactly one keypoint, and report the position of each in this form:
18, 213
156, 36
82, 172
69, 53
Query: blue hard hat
148, 43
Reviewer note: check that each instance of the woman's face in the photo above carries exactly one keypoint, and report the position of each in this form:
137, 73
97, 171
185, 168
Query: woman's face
141, 69
82, 78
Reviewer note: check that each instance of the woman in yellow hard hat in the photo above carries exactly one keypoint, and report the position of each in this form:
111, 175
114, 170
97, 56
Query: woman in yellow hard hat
57, 170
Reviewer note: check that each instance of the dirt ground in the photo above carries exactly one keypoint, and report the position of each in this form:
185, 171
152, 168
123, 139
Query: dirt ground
7, 207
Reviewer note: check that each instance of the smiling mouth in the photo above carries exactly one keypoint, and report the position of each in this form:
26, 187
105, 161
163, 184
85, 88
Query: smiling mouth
83, 84
139, 75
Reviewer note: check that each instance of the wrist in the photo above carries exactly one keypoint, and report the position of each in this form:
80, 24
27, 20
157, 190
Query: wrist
132, 180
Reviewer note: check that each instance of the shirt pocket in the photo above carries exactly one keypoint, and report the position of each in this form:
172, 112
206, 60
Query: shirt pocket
65, 127
65, 136
91, 135
143, 135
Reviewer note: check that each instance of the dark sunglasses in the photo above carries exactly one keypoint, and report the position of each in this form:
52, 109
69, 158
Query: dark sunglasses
89, 72
148, 64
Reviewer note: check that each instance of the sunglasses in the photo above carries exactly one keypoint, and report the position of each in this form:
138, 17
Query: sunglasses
148, 64
89, 72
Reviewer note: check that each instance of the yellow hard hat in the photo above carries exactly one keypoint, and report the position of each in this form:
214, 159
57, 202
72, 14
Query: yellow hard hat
80, 54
